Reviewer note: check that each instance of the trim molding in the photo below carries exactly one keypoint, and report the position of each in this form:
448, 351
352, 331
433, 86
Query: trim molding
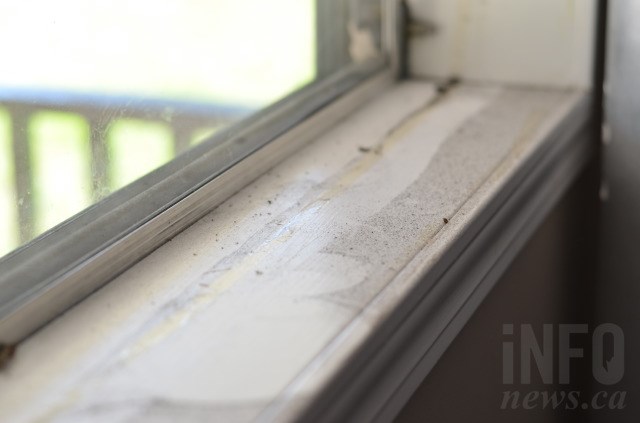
385, 372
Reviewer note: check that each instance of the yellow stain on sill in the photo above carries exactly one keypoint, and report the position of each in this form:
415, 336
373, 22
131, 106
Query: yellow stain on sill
248, 265
376, 154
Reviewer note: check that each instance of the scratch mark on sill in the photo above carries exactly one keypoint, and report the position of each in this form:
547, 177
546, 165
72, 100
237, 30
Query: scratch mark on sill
193, 302
353, 297
216, 270
170, 410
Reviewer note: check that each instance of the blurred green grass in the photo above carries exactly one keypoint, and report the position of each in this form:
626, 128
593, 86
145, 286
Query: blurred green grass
240, 52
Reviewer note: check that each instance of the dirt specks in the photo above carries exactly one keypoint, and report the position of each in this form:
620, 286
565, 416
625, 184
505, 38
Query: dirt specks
445, 86
7, 352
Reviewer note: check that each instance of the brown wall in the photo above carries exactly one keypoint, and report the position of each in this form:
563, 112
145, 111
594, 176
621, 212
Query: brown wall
551, 281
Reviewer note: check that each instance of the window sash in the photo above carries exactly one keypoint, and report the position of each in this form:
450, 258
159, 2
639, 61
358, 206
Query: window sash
46, 276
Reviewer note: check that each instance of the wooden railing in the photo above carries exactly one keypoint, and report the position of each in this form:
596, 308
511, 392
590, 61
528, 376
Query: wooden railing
99, 112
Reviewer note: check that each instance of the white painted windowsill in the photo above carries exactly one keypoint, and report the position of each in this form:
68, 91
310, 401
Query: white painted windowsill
250, 312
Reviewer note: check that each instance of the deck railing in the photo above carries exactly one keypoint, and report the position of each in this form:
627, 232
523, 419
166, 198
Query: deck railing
99, 112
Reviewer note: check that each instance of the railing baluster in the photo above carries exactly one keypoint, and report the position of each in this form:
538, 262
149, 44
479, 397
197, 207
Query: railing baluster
23, 172
99, 159
99, 111
182, 133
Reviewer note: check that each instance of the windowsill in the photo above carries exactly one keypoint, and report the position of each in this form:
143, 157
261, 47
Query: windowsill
253, 310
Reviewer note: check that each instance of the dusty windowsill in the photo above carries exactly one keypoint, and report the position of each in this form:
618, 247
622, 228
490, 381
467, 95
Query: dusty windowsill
250, 311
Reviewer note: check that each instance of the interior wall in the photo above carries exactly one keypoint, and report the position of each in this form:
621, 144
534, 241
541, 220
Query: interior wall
533, 42
550, 282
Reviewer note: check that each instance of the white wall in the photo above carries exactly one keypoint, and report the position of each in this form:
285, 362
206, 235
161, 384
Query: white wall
541, 42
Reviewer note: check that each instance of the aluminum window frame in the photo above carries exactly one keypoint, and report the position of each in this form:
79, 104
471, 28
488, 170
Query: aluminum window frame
45, 277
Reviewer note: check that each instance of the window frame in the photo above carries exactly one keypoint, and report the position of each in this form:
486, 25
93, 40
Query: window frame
46, 276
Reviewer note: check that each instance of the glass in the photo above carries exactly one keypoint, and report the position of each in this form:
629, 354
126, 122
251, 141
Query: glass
95, 94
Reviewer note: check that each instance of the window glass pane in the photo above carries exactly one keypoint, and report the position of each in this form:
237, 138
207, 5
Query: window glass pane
8, 217
60, 167
94, 94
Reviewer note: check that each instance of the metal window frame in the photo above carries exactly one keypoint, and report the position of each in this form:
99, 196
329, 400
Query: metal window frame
45, 277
